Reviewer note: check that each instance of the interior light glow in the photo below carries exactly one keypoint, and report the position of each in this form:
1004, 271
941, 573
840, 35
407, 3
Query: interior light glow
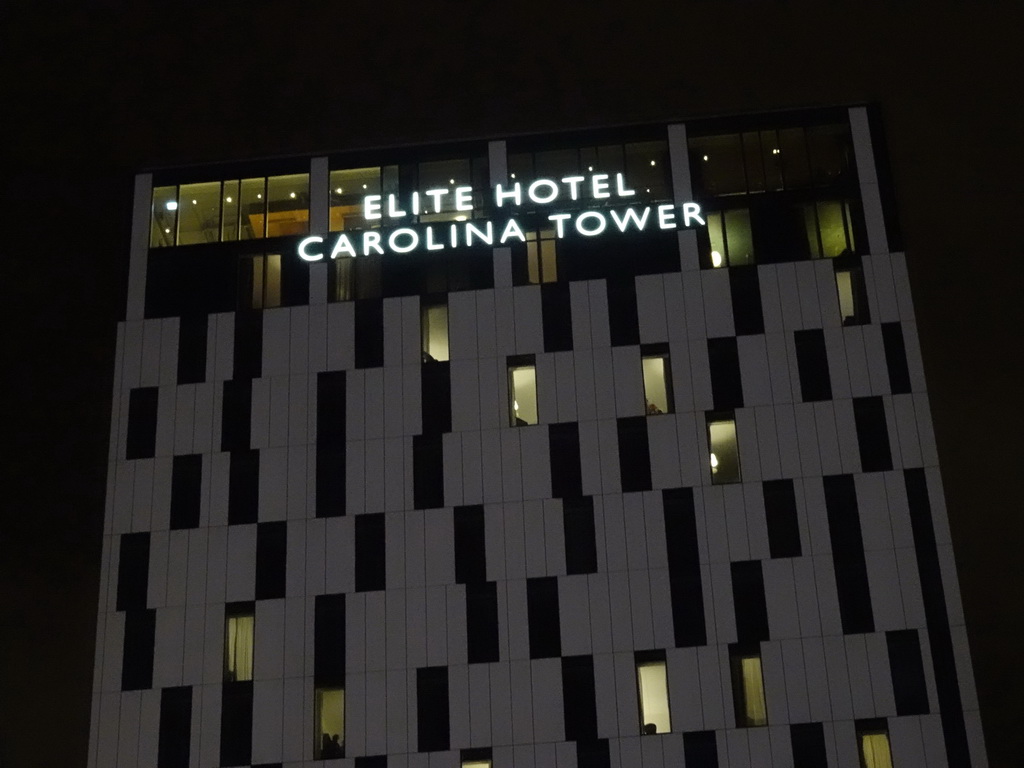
451, 181
590, 167
513, 175
776, 151
292, 195
228, 199
171, 205
193, 202
460, 218
167, 231
259, 196
653, 163
364, 186
716, 261
515, 405
339, 190
714, 463
705, 158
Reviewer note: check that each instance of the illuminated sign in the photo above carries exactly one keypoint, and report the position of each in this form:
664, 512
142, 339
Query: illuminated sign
463, 232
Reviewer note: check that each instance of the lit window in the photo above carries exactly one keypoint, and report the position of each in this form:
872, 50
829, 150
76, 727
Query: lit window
330, 723
434, 320
475, 758
199, 213
164, 222
522, 386
350, 186
657, 382
829, 227
731, 241
652, 689
873, 736
748, 688
541, 256
449, 175
263, 277
239, 627
725, 455
476, 764
344, 279
853, 297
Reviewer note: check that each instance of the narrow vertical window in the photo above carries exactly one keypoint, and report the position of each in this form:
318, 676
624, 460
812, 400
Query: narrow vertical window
434, 322
652, 689
541, 256
725, 455
344, 288
164, 222
522, 388
748, 687
731, 241
657, 382
873, 738
265, 282
239, 627
329, 723
853, 297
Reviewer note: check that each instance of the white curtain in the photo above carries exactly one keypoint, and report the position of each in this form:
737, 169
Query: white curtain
753, 691
239, 647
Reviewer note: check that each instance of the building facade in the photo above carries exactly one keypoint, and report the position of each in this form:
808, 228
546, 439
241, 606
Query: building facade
609, 448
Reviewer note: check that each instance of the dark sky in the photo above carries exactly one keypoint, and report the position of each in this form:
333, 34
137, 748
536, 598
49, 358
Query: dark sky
90, 95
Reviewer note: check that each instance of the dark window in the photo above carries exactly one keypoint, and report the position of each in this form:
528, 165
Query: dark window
749, 601
427, 471
259, 281
236, 724
330, 481
470, 545
186, 490
372, 761
543, 618
432, 709
747, 686
248, 355
579, 700
192, 349
812, 363
684, 567
745, 290
175, 727
556, 309
908, 684
622, 316
564, 454
369, 333
896, 358
580, 540
271, 554
137, 659
236, 415
133, 572
243, 487
808, 742
329, 641
726, 383
781, 518
872, 434
848, 554
436, 394
142, 410
634, 454
481, 622
700, 748
370, 552
330, 408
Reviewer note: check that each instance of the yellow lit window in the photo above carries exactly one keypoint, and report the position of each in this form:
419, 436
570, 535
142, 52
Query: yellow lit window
238, 644
725, 455
748, 690
874, 749
657, 384
652, 687
541, 256
522, 395
435, 333
265, 281
330, 723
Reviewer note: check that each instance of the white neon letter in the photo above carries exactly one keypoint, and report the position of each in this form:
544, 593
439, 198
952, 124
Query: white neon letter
620, 186
692, 211
512, 230
453, 233
414, 240
463, 198
393, 211
559, 219
574, 185
596, 229
431, 245
303, 253
599, 183
533, 191
436, 194
343, 245
639, 221
486, 236
667, 216
515, 194
371, 241
371, 207
415, 203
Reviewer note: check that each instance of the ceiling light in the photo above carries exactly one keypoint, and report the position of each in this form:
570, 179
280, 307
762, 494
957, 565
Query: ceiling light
339, 190
590, 167
167, 231
451, 181
259, 196
364, 186
776, 151
460, 218
171, 205
228, 199
716, 260
653, 163
292, 195
714, 463
193, 202
513, 175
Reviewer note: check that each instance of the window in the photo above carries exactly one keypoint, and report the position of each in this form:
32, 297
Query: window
652, 689
853, 295
348, 188
829, 225
725, 455
657, 381
224, 211
261, 281
476, 764
873, 738
522, 388
475, 758
434, 322
748, 688
541, 257
731, 242
239, 627
330, 723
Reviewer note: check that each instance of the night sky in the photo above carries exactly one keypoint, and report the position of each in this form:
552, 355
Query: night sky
89, 96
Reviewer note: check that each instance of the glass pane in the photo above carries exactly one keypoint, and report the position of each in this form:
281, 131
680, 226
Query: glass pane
656, 389
344, 279
520, 167
446, 175
330, 723
532, 258
477, 764
287, 205
258, 268
752, 162
811, 229
229, 214
523, 383
648, 171
739, 242
771, 155
199, 213
548, 256
753, 691
653, 684
725, 456
165, 217
718, 165
832, 226
847, 302
717, 237
252, 209
610, 160
435, 333
348, 188
272, 281
238, 641
555, 164
875, 750
830, 153
796, 171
